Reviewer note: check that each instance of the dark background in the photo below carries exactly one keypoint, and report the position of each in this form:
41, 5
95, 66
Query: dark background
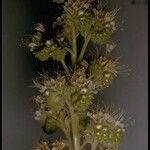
19, 129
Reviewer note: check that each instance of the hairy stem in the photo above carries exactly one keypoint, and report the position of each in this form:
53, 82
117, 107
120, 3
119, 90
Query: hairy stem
75, 131
65, 127
74, 46
94, 145
86, 41
65, 67
68, 137
82, 146
75, 128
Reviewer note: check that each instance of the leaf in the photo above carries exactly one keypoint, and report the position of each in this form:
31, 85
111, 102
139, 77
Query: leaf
51, 51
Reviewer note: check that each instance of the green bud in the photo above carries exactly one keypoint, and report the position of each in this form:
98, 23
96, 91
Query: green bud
49, 126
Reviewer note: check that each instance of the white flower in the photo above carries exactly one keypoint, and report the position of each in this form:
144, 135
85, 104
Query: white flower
110, 47
47, 93
38, 113
48, 43
32, 45
43, 88
84, 90
40, 86
80, 12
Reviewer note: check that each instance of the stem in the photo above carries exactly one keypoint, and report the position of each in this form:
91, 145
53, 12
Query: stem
94, 145
68, 137
84, 48
82, 146
65, 67
75, 127
65, 127
74, 46
75, 131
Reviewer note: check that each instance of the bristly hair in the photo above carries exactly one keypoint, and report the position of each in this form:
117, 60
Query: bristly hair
109, 113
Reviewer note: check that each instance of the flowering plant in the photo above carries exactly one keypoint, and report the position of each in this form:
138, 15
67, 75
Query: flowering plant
65, 101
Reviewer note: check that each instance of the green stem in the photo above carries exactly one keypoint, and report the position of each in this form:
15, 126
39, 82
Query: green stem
74, 46
68, 137
82, 146
84, 48
75, 127
65, 67
64, 125
75, 131
94, 145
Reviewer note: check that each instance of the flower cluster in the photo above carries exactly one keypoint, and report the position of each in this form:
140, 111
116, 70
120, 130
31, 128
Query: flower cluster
52, 91
36, 39
103, 71
77, 89
104, 26
73, 11
85, 88
90, 21
43, 50
106, 126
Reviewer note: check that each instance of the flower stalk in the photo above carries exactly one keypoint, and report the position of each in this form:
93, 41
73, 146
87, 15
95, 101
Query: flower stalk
74, 46
65, 67
87, 39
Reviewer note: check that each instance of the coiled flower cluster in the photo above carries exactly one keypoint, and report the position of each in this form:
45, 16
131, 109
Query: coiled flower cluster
103, 71
106, 126
89, 20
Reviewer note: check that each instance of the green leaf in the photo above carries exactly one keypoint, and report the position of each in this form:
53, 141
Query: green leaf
51, 51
